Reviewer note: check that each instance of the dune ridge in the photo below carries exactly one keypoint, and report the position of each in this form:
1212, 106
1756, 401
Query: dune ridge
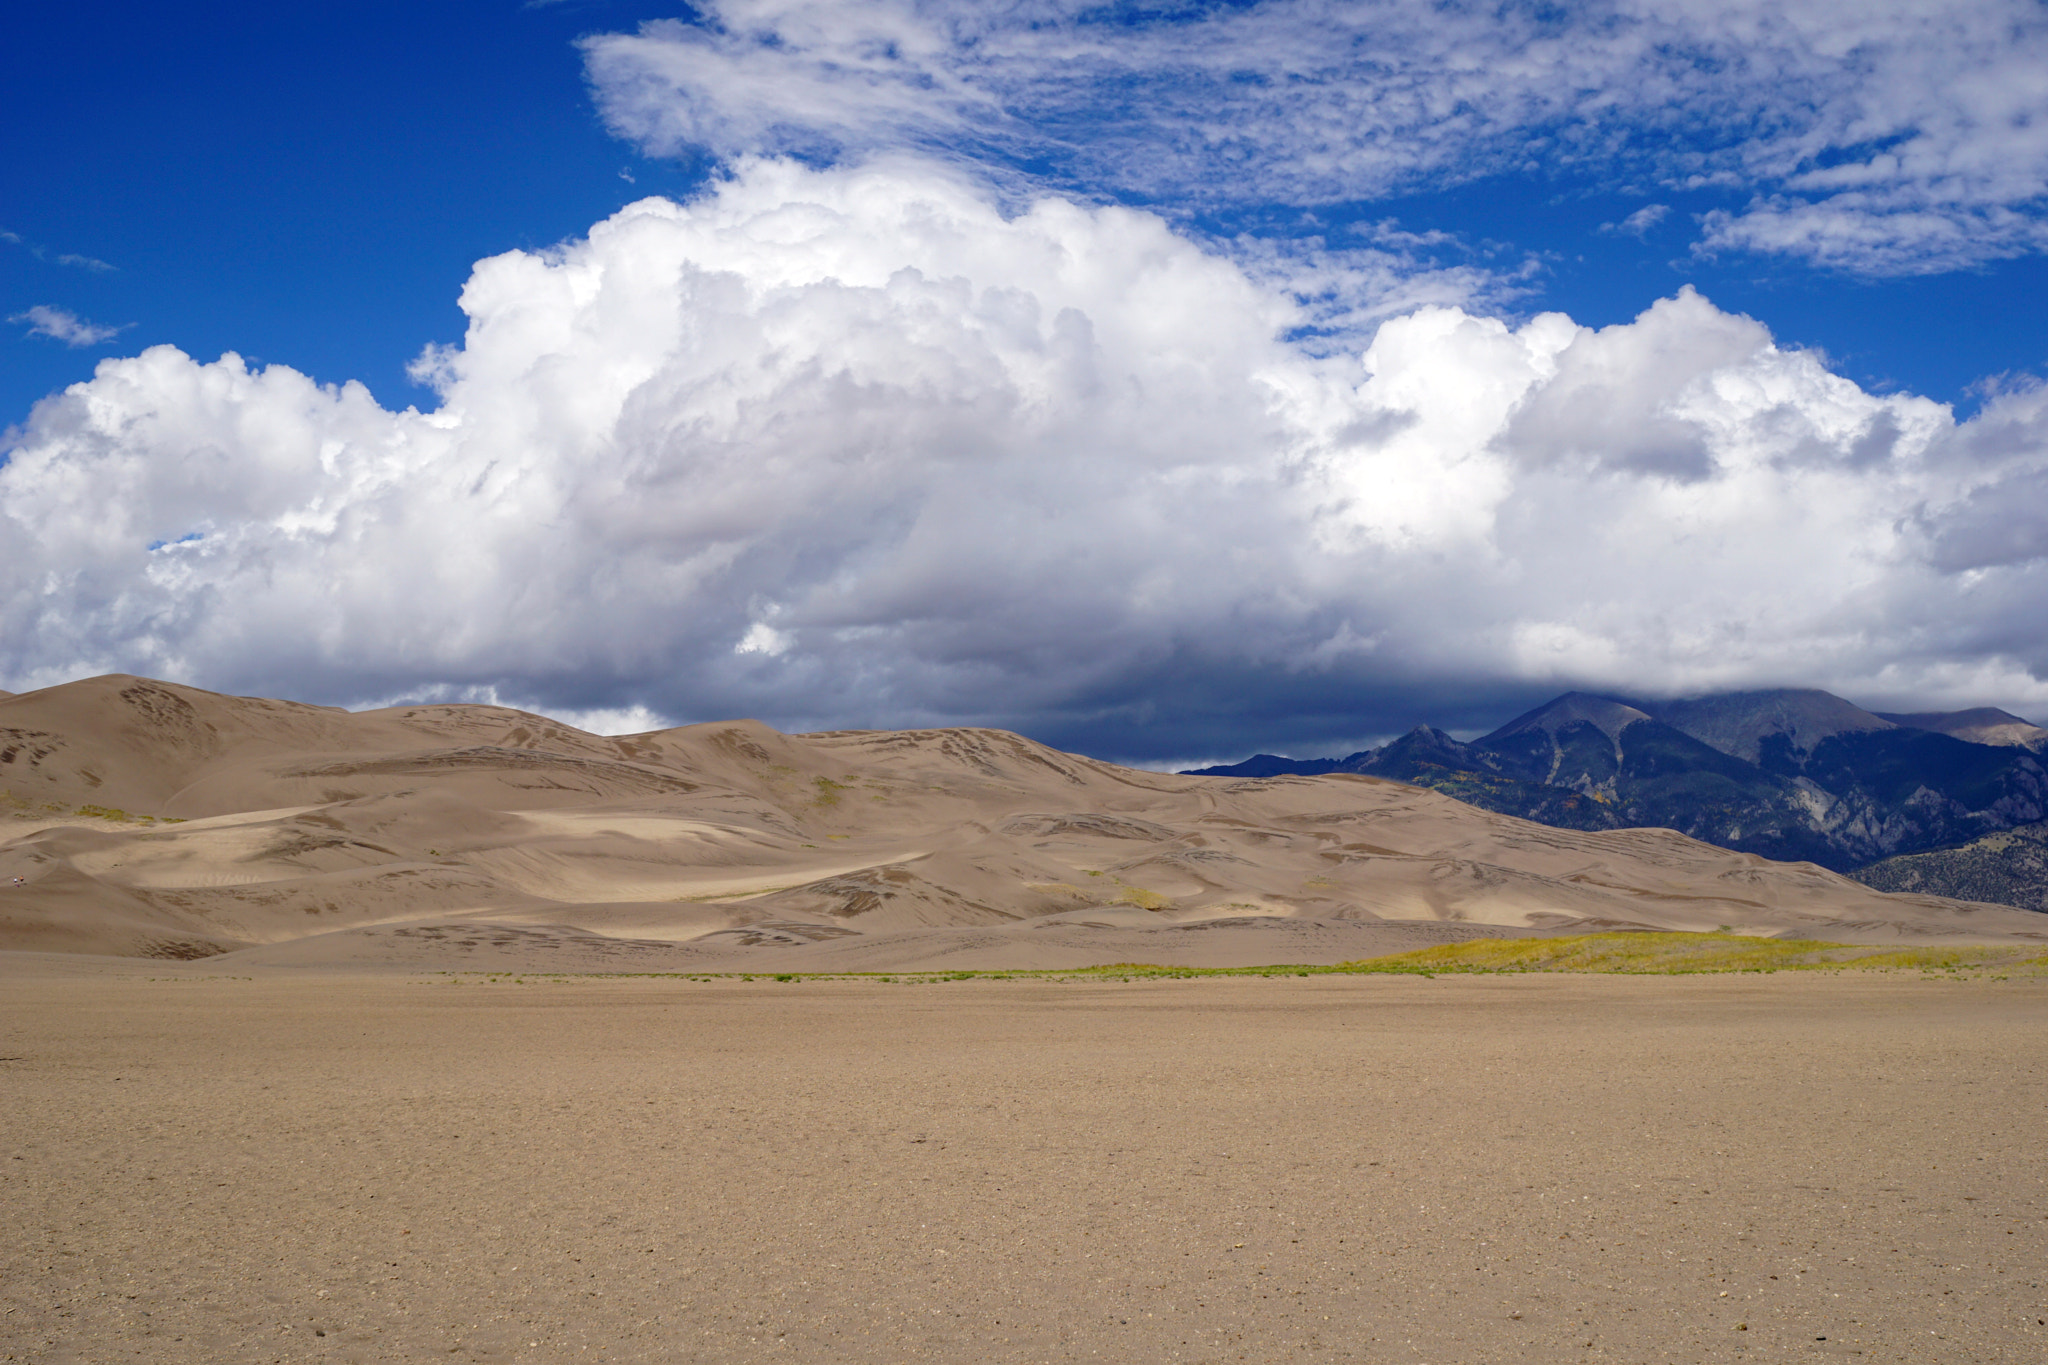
147, 818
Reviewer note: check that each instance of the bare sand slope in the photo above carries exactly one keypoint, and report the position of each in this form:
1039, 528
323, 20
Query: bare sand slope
202, 1169
158, 820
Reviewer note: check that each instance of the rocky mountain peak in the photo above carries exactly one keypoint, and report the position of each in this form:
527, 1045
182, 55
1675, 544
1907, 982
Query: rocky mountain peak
1605, 714
1739, 722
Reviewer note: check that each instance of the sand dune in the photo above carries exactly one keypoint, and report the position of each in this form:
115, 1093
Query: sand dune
151, 819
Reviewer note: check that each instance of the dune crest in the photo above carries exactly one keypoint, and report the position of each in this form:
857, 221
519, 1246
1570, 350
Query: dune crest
151, 819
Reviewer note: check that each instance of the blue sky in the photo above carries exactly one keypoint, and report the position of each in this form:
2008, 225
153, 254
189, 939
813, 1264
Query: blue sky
843, 487
310, 185
305, 184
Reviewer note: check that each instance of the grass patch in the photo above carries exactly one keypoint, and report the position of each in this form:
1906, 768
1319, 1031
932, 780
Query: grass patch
1063, 889
1627, 954
24, 809
1675, 954
1140, 897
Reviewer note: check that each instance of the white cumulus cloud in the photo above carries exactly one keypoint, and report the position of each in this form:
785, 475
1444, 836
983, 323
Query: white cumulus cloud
863, 446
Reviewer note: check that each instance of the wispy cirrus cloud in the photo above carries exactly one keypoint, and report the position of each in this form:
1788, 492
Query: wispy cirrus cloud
1894, 137
1639, 223
43, 253
62, 325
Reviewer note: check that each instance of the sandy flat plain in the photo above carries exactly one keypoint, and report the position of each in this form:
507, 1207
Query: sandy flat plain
330, 1167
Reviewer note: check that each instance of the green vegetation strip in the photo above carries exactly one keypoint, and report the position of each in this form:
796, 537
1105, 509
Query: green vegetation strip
22, 809
1628, 954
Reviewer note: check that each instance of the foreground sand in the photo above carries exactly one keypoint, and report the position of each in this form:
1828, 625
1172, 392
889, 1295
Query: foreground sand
1342, 1168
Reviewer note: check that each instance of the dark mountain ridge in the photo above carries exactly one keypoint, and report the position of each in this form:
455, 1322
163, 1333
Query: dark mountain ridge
1790, 773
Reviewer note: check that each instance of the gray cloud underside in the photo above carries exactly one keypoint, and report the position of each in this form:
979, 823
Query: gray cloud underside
853, 447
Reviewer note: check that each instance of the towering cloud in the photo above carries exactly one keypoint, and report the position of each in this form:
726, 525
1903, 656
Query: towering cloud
871, 446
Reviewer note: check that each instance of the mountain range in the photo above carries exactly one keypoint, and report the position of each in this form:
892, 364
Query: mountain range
1792, 774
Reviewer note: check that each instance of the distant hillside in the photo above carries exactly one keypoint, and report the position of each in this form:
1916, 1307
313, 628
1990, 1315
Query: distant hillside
1981, 725
1272, 765
1790, 774
2006, 868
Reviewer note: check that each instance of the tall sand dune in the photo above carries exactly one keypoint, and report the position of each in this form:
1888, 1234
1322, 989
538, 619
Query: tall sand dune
150, 819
